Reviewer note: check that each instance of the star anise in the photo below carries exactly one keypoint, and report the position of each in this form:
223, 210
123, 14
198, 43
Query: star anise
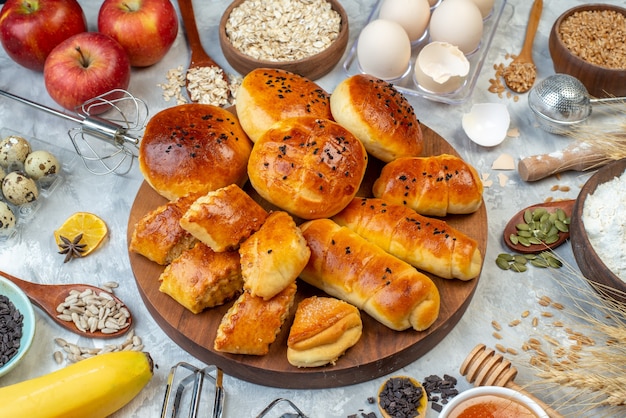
71, 248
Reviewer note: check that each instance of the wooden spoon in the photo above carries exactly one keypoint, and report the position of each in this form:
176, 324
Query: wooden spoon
199, 57
510, 228
521, 73
49, 296
484, 367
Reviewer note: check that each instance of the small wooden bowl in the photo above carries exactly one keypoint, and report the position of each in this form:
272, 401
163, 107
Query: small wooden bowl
599, 81
312, 67
590, 264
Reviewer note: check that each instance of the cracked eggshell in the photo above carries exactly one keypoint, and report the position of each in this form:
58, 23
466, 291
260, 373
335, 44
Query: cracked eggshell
487, 123
384, 49
7, 219
458, 22
412, 15
19, 189
13, 152
40, 164
441, 68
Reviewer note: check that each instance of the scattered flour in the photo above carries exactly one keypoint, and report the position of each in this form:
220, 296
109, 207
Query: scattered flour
605, 223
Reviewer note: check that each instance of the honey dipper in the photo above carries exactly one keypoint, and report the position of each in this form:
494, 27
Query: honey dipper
484, 367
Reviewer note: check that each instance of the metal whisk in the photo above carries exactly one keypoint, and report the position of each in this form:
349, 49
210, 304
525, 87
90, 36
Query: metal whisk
117, 136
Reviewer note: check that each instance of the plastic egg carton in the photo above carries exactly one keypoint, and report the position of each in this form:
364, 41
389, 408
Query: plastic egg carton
407, 83
47, 185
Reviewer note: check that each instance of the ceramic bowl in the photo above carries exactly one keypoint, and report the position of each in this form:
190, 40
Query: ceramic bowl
589, 262
599, 81
22, 304
466, 398
312, 67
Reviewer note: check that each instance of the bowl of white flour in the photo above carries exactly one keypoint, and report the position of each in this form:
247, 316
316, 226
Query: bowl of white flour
598, 230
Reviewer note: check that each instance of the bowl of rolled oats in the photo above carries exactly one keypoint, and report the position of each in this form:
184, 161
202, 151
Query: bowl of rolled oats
589, 43
306, 37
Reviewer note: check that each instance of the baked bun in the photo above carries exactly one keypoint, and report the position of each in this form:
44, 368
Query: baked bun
322, 330
200, 278
193, 148
267, 96
223, 218
273, 257
379, 115
309, 167
250, 326
158, 235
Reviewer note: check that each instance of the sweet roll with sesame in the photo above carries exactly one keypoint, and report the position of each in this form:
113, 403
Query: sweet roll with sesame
347, 266
433, 186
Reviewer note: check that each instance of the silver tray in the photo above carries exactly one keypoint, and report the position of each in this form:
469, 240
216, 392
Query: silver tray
407, 84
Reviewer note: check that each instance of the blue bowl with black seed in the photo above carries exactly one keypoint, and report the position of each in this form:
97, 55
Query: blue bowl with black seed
17, 325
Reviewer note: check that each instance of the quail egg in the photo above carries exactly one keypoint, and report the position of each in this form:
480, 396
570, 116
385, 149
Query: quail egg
2, 174
40, 164
7, 219
13, 152
19, 189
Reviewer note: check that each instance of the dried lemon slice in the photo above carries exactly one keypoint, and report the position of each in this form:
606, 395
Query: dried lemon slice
92, 228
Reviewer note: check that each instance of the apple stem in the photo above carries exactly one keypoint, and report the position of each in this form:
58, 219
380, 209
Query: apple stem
84, 61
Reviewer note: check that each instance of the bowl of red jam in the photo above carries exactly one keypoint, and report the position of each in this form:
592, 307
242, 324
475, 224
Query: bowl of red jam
492, 401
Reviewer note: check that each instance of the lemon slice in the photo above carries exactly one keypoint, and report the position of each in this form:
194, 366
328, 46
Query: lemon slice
93, 228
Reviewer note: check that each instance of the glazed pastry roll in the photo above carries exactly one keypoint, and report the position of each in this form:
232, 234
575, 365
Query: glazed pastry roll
429, 244
223, 218
200, 278
250, 326
379, 115
432, 186
273, 257
322, 330
158, 235
348, 267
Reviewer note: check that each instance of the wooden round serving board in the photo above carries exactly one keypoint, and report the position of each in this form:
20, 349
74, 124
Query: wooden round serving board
380, 350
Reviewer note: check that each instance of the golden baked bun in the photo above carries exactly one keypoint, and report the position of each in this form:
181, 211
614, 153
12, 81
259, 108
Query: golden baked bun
193, 148
379, 115
322, 330
223, 218
267, 96
158, 235
273, 257
309, 167
250, 326
200, 278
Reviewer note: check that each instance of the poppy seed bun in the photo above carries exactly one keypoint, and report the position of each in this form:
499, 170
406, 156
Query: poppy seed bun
379, 115
309, 167
193, 148
267, 96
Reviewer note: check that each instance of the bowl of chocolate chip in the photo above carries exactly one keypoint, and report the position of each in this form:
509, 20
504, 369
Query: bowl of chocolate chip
17, 325
587, 42
305, 38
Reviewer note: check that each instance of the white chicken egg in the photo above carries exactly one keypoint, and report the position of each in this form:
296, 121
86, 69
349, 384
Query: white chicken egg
7, 219
384, 49
441, 68
13, 152
458, 22
484, 6
412, 15
19, 189
40, 164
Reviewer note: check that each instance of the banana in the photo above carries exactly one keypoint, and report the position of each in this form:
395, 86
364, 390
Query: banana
91, 388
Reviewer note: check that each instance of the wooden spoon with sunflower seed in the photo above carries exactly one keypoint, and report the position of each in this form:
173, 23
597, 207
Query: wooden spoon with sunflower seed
539, 227
52, 298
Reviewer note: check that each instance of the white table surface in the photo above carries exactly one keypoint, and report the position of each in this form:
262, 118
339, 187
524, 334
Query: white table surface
500, 295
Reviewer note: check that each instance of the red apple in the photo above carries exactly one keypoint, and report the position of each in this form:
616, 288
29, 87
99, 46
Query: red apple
145, 28
30, 29
84, 66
